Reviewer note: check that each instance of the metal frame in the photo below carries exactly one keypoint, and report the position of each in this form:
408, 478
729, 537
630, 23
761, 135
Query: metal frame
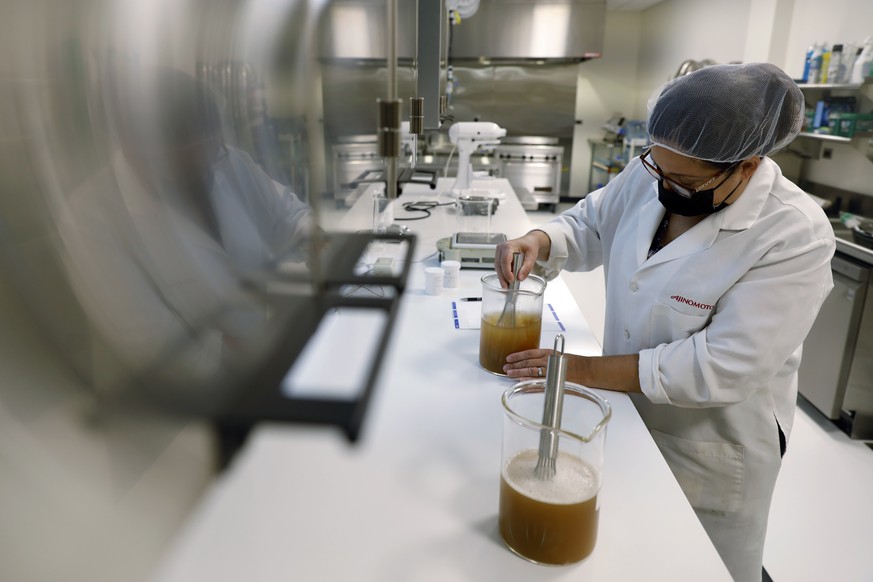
253, 393
262, 400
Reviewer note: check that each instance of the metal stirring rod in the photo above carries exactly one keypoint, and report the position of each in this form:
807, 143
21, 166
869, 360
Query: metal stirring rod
556, 374
509, 306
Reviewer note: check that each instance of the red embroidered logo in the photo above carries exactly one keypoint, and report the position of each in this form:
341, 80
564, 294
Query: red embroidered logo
691, 302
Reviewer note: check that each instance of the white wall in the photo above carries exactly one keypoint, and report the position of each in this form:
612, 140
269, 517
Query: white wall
602, 90
676, 30
641, 51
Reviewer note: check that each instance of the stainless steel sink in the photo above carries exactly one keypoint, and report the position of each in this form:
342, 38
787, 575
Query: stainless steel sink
846, 243
841, 230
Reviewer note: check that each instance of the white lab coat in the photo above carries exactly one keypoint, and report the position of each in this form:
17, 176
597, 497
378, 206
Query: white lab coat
151, 280
717, 318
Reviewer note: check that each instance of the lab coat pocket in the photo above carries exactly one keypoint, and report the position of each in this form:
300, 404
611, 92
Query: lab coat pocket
668, 325
710, 474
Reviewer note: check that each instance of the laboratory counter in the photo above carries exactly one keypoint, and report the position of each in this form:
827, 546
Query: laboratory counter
416, 498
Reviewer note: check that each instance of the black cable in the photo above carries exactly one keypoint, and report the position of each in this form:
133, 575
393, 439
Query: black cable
425, 206
430, 256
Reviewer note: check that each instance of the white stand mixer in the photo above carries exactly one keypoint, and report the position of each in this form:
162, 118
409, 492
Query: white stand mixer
467, 136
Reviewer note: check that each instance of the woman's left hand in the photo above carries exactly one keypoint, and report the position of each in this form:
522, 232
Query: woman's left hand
527, 365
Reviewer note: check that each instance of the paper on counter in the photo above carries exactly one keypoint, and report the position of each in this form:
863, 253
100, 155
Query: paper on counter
468, 315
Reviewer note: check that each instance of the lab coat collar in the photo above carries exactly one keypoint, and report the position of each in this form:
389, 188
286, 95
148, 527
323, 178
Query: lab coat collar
698, 239
651, 215
738, 216
745, 211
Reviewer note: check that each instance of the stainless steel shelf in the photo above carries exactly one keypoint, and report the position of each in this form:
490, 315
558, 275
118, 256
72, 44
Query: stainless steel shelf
826, 137
827, 86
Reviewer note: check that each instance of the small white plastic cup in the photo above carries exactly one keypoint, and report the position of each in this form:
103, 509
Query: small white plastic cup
450, 276
433, 280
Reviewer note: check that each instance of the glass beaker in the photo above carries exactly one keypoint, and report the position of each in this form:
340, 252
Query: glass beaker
476, 208
511, 320
383, 212
551, 520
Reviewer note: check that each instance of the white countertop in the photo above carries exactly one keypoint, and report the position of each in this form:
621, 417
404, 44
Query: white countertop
416, 498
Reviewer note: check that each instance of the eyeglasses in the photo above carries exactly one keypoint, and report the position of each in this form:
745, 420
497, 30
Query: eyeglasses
681, 189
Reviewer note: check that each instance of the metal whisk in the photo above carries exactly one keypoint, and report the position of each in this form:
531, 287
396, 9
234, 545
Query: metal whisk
507, 316
556, 374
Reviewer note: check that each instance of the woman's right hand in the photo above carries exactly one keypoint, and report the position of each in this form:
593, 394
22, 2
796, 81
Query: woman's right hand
535, 245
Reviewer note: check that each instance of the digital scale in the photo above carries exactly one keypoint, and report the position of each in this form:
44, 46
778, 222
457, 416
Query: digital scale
474, 250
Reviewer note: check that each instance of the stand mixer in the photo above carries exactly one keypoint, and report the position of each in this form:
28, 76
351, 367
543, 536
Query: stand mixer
467, 136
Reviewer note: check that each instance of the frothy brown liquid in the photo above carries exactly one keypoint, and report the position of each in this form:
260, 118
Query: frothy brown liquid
497, 342
550, 522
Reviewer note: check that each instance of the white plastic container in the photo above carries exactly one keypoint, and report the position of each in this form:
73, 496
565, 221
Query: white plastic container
451, 270
861, 68
851, 51
433, 281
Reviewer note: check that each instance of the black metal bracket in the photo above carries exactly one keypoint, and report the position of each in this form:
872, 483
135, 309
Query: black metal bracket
404, 176
262, 399
250, 392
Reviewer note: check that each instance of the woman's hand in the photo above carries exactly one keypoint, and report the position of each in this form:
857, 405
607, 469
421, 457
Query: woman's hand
527, 365
535, 245
618, 373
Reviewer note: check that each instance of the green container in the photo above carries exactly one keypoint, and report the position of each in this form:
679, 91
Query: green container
851, 124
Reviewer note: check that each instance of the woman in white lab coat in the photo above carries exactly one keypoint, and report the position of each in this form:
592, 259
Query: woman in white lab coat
716, 266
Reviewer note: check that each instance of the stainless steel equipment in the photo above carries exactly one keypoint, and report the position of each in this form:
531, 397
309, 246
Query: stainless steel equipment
862, 234
533, 164
836, 373
514, 62
521, 29
553, 408
570, 30
353, 157
507, 316
198, 117
689, 66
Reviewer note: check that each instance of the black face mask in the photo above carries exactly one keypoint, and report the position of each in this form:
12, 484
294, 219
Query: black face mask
701, 202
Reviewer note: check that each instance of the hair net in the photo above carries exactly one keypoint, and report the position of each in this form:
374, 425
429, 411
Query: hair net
726, 113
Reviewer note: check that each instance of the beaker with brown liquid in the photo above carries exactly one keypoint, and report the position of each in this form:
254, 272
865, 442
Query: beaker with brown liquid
552, 520
511, 320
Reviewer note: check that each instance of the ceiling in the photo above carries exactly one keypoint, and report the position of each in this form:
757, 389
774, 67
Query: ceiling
630, 5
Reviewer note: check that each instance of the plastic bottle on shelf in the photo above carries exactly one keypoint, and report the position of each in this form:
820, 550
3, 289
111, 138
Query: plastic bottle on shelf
861, 68
835, 65
815, 65
806, 62
850, 53
820, 117
825, 63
